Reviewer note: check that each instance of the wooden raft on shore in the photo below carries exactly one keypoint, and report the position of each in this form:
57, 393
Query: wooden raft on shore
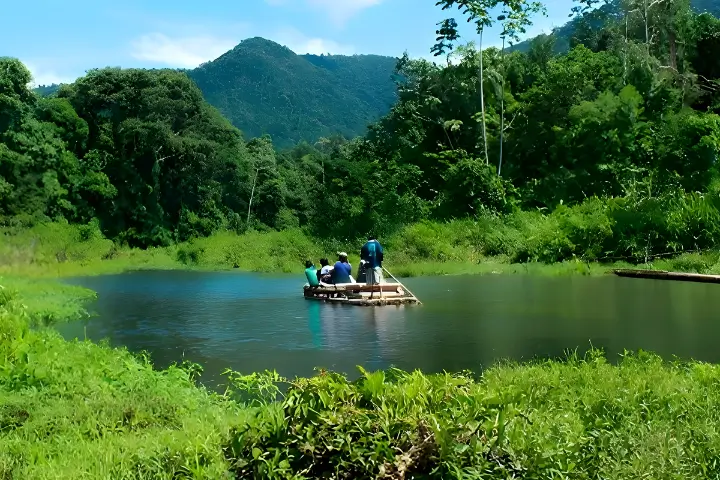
665, 275
361, 294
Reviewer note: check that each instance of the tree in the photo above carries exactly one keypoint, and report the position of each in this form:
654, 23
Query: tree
516, 19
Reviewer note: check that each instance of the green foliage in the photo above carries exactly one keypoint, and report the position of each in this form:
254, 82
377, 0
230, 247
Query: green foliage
296, 97
77, 409
578, 419
587, 28
81, 410
608, 151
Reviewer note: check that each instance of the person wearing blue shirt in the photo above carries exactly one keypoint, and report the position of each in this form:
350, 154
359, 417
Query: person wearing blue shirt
372, 254
342, 269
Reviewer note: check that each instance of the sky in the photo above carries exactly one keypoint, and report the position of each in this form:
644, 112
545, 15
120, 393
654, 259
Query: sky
60, 41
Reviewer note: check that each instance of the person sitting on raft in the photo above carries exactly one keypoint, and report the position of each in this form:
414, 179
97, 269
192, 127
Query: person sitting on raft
311, 274
325, 272
342, 269
372, 254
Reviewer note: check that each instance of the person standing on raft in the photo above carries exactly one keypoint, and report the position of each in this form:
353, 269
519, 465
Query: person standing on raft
372, 254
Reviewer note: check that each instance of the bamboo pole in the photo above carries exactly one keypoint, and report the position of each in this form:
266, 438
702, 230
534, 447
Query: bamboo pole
665, 275
401, 284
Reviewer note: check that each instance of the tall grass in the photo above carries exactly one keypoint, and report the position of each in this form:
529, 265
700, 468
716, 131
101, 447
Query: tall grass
580, 419
81, 410
679, 231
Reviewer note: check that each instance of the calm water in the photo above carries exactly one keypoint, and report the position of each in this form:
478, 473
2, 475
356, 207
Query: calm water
253, 322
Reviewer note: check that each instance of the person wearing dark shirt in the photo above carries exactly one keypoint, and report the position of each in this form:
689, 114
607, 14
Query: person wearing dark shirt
372, 254
342, 269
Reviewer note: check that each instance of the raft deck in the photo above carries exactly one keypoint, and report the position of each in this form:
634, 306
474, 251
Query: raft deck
360, 294
665, 275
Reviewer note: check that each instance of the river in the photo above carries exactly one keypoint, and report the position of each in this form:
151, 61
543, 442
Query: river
251, 322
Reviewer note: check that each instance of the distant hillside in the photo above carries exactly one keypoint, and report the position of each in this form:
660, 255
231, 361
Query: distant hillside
263, 87
45, 90
564, 33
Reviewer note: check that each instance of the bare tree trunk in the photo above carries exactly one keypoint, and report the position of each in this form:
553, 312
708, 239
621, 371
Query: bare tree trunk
647, 35
625, 50
252, 194
673, 51
482, 101
502, 106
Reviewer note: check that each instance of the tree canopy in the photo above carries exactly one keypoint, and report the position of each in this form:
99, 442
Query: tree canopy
629, 118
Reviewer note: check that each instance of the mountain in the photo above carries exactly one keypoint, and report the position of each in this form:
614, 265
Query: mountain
45, 90
265, 88
564, 33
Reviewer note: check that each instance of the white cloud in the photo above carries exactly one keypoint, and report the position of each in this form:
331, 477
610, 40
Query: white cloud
300, 43
339, 11
46, 76
187, 52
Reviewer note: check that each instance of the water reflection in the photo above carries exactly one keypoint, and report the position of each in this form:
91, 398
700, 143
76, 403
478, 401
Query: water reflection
257, 322
315, 323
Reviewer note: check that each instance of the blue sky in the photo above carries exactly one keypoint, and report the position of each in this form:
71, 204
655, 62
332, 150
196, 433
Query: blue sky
59, 41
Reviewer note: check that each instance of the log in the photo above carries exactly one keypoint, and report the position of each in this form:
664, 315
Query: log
355, 287
665, 275
367, 302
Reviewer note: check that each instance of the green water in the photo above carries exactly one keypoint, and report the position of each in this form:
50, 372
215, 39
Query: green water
251, 322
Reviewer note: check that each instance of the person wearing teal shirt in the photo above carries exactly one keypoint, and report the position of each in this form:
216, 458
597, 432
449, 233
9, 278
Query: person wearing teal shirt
311, 274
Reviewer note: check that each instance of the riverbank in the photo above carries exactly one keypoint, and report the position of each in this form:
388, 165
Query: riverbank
59, 250
78, 409
582, 418
82, 410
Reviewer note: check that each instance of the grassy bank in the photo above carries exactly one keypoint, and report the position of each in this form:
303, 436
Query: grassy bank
460, 247
82, 410
579, 419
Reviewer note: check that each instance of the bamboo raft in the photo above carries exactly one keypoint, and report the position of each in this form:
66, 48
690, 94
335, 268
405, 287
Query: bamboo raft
361, 294
665, 275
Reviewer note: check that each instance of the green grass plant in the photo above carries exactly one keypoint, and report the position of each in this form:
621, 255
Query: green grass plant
524, 244
81, 410
578, 419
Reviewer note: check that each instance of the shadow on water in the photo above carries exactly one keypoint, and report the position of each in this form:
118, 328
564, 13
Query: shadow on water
250, 322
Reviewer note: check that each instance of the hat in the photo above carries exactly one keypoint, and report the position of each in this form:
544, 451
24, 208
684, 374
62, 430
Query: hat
342, 254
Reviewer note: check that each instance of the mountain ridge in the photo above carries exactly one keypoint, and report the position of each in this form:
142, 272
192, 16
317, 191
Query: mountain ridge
263, 87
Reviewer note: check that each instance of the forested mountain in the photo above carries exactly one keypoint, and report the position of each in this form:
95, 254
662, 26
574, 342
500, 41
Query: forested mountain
565, 35
265, 88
